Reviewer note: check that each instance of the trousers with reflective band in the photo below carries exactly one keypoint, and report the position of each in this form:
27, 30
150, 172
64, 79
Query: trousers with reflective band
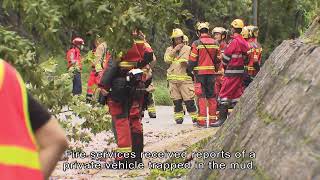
19, 158
127, 64
179, 77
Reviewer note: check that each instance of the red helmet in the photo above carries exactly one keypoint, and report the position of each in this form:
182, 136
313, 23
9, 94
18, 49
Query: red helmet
77, 41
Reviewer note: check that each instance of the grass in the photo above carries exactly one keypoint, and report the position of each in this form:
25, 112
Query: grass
259, 173
161, 94
178, 173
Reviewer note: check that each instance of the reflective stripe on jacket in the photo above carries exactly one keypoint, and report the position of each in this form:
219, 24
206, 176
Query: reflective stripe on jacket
178, 63
234, 55
203, 57
19, 158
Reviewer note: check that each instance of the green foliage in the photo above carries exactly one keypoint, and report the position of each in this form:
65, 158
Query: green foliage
95, 115
48, 26
277, 20
33, 35
175, 173
53, 89
59, 86
41, 19
317, 37
178, 173
18, 51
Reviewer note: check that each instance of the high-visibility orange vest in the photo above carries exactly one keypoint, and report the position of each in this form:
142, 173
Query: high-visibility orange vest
19, 158
75, 52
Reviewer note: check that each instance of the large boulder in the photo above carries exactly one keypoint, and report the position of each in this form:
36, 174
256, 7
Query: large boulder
278, 118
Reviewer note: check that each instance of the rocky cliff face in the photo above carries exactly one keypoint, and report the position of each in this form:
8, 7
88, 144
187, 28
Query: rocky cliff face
278, 118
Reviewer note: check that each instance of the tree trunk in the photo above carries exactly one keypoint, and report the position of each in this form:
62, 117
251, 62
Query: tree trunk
255, 12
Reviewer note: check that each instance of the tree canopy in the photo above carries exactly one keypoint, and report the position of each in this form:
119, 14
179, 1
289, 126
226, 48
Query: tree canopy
34, 34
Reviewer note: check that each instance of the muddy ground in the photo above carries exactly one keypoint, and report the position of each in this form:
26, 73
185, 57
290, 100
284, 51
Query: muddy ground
161, 135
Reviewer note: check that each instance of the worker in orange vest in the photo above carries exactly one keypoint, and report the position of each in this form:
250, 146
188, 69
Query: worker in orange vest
123, 79
204, 63
74, 64
31, 141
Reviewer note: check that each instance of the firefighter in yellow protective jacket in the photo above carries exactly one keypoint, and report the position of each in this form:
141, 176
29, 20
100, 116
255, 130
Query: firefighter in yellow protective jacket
180, 84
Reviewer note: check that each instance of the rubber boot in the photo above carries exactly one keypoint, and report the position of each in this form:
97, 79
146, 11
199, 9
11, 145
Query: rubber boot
231, 107
89, 98
178, 111
192, 109
179, 120
151, 106
152, 114
137, 147
194, 117
202, 123
223, 114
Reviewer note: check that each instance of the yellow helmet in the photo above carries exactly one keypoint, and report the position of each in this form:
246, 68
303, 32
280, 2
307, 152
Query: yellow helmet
202, 25
255, 31
237, 23
245, 32
185, 39
220, 30
177, 33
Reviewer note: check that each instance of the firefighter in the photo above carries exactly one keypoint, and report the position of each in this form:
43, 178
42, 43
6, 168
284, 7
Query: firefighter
31, 140
246, 34
123, 80
254, 54
204, 64
186, 40
180, 83
75, 65
149, 103
227, 34
219, 34
101, 57
233, 61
